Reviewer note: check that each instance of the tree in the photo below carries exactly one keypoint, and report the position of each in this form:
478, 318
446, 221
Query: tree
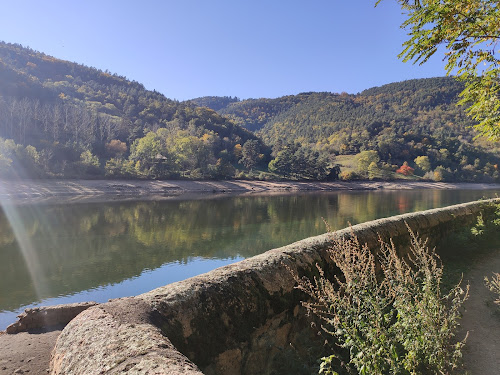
250, 153
469, 30
365, 158
423, 163
116, 147
373, 170
405, 169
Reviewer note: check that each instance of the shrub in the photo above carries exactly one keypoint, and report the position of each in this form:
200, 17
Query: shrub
348, 176
405, 169
394, 320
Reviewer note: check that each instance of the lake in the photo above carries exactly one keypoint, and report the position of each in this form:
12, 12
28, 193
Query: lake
53, 254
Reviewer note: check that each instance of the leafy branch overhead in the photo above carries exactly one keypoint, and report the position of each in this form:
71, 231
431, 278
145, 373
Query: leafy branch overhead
469, 30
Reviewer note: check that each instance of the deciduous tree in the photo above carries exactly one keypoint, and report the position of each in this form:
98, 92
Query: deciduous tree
469, 30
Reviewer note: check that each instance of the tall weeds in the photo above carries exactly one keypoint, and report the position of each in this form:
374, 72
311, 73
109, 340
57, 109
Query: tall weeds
494, 285
387, 311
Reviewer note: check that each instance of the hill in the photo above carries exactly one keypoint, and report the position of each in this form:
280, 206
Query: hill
399, 121
214, 102
82, 121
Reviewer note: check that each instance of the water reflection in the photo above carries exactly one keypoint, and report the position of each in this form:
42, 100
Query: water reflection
101, 251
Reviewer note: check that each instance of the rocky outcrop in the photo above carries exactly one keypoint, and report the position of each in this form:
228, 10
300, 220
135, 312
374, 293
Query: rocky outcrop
240, 319
47, 317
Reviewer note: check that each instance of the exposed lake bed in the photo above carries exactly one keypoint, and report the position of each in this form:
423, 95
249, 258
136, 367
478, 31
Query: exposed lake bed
67, 191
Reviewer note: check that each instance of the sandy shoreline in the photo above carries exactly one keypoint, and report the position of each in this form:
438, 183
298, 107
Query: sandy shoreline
65, 191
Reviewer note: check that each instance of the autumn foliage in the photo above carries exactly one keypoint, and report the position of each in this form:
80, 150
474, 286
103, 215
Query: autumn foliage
405, 169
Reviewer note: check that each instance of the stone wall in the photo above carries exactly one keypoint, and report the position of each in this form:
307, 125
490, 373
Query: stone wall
47, 317
240, 319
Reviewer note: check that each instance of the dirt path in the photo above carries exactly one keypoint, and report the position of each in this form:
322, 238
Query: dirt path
482, 319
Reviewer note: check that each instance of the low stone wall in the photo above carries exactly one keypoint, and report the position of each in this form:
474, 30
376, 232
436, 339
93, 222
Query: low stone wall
240, 319
42, 318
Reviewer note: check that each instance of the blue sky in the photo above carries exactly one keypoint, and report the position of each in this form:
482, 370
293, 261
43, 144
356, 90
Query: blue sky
250, 49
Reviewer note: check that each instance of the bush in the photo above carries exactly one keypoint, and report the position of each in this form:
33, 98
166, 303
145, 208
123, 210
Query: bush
392, 321
348, 176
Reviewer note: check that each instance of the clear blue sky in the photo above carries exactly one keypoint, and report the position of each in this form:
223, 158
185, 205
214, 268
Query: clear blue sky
250, 49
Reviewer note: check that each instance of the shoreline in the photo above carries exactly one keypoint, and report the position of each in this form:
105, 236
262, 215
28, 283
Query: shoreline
89, 191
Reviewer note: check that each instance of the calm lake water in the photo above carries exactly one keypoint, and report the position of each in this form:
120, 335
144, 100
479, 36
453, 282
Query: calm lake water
52, 254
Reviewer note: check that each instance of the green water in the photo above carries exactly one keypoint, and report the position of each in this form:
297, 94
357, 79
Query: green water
51, 254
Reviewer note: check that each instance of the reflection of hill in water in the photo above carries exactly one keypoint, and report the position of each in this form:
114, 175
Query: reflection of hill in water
78, 247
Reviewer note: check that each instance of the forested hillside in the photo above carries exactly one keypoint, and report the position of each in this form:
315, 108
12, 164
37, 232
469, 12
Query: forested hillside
398, 123
59, 118
62, 119
214, 102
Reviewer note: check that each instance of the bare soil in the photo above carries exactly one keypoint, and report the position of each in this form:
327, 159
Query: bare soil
26, 353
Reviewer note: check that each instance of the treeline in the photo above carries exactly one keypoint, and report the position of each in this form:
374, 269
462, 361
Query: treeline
214, 102
75, 141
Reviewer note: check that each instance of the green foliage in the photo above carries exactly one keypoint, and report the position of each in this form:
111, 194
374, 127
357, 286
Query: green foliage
365, 159
214, 102
441, 174
423, 163
469, 30
89, 164
348, 176
397, 322
120, 168
250, 153
19, 161
487, 224
63, 109
373, 170
302, 162
88, 159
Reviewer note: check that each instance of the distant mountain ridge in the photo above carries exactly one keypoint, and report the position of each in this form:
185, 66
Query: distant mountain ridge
255, 114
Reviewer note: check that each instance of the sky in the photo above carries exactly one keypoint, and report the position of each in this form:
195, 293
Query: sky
249, 49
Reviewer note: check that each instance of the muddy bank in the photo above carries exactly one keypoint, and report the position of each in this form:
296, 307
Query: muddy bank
66, 191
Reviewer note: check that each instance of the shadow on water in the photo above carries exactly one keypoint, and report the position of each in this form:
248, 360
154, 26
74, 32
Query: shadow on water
108, 250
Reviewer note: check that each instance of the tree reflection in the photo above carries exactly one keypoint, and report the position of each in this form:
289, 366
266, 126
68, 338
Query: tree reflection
87, 246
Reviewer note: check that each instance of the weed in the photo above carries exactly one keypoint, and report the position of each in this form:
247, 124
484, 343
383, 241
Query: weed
387, 311
494, 285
